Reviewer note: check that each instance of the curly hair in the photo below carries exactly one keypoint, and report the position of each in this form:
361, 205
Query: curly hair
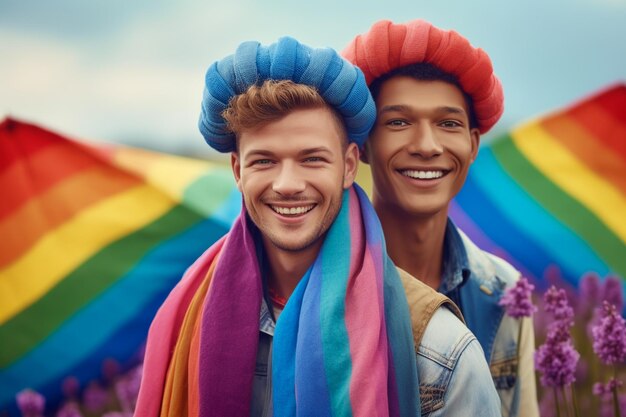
271, 101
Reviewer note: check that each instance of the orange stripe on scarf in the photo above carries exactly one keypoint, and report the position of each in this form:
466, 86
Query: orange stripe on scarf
179, 397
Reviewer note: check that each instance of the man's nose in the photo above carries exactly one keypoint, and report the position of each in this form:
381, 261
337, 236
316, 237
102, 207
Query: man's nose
289, 180
424, 142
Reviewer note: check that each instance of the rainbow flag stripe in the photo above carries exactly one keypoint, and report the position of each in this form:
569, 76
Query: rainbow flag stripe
93, 240
552, 192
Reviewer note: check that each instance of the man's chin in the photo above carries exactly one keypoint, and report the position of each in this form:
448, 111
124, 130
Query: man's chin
424, 208
299, 245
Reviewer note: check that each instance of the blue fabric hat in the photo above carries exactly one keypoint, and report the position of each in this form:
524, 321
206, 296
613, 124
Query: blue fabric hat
340, 83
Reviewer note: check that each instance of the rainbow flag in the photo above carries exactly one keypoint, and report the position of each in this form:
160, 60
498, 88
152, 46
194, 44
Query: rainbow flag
94, 237
552, 192
93, 240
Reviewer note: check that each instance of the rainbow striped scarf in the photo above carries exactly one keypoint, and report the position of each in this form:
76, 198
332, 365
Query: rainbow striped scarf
342, 346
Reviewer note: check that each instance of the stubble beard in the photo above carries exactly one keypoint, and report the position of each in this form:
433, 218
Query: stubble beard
318, 232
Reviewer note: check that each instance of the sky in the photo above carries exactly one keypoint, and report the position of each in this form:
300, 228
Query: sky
132, 72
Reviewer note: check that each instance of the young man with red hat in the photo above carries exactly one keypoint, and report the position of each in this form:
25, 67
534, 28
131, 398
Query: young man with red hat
435, 95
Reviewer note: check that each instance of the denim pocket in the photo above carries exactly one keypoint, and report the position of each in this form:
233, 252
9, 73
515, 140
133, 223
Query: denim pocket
504, 373
431, 398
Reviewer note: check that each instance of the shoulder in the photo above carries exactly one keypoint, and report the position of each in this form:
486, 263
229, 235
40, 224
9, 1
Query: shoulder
431, 312
423, 303
445, 338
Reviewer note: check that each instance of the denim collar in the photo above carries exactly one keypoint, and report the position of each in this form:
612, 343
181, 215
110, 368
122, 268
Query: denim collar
455, 269
266, 322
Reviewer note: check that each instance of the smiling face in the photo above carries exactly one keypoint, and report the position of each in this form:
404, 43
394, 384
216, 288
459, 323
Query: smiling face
292, 173
421, 147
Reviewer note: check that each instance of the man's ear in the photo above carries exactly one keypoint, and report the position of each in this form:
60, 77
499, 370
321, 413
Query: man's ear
351, 165
235, 164
475, 138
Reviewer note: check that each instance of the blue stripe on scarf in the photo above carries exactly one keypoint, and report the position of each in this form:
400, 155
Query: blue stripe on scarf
283, 356
335, 272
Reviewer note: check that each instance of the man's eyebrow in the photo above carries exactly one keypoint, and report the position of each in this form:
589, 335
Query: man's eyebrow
258, 152
255, 153
405, 109
318, 149
451, 109
394, 107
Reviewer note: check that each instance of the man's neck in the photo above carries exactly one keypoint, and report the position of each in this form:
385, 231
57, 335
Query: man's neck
415, 243
286, 268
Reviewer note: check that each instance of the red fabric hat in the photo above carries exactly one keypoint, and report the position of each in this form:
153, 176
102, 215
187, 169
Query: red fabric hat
388, 46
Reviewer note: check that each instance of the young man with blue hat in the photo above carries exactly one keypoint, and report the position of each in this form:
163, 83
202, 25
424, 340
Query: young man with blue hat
435, 95
298, 310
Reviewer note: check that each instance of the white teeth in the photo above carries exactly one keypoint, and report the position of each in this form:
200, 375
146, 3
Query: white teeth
292, 210
422, 175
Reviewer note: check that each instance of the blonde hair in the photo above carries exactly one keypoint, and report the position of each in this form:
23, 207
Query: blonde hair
271, 101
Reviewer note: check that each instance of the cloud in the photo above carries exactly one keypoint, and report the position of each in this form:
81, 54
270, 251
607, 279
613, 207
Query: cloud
141, 85
135, 75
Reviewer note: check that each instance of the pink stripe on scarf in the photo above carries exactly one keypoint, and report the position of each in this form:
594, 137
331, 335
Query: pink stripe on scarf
165, 328
366, 326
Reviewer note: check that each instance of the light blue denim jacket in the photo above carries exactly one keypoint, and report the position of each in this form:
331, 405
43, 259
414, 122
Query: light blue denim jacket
454, 377
476, 280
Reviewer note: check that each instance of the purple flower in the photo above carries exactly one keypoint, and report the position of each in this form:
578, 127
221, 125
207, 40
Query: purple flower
603, 390
612, 291
557, 304
127, 388
95, 398
558, 333
609, 336
71, 386
589, 292
110, 369
69, 409
599, 389
557, 363
30, 403
556, 359
517, 299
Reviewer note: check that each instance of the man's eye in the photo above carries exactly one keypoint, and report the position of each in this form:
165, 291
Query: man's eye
262, 162
313, 159
450, 124
397, 123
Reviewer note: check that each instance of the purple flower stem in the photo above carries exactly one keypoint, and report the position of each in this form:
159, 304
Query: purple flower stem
616, 411
519, 342
519, 336
574, 401
556, 402
565, 402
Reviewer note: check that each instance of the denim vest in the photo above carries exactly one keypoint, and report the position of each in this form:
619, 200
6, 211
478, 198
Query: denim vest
476, 280
454, 377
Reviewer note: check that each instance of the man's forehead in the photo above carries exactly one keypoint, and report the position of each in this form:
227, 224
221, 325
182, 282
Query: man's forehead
406, 94
254, 150
300, 132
